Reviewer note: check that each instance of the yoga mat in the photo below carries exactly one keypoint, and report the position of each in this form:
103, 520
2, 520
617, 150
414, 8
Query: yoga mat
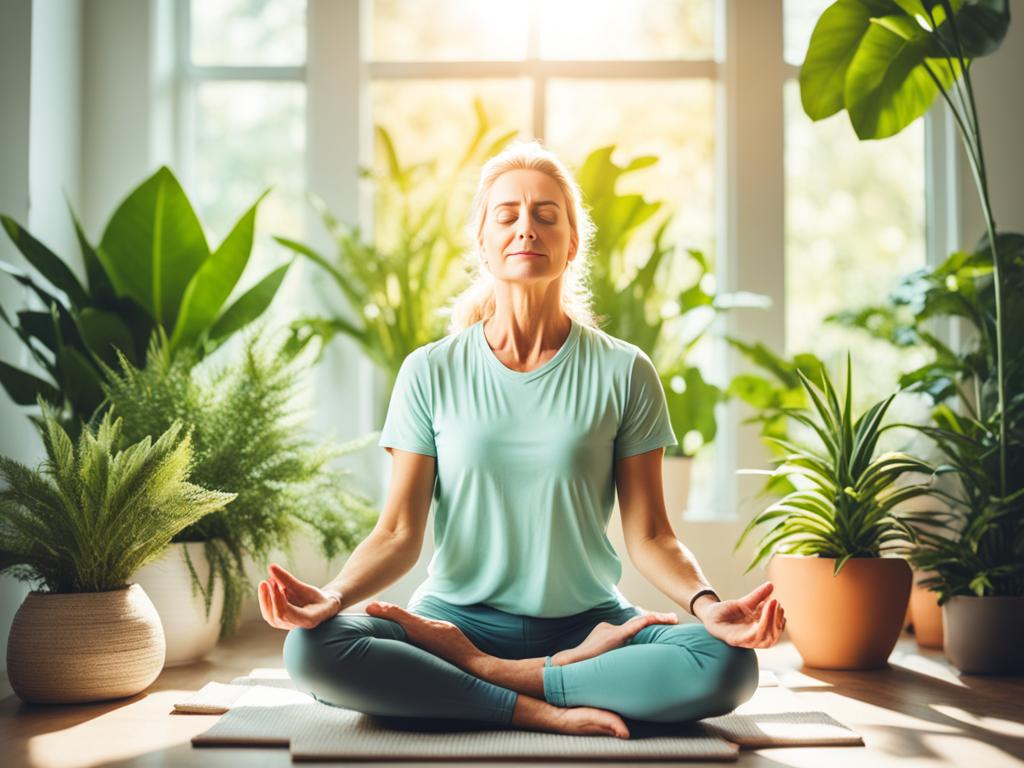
322, 732
264, 708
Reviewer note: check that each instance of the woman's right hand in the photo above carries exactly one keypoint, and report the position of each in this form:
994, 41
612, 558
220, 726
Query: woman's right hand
287, 603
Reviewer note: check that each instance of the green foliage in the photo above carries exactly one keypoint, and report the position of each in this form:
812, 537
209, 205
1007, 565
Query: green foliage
771, 395
845, 499
92, 515
249, 438
639, 303
962, 286
152, 269
885, 61
879, 54
395, 290
978, 549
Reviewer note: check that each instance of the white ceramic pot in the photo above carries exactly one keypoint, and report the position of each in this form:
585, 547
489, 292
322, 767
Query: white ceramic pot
676, 471
190, 632
68, 648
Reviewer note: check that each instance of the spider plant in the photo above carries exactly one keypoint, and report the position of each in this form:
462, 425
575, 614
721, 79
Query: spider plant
846, 502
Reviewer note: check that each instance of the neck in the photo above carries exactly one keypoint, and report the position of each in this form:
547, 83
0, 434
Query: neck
527, 325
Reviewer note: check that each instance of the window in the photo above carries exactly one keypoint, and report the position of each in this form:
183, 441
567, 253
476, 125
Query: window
855, 222
242, 121
578, 75
785, 207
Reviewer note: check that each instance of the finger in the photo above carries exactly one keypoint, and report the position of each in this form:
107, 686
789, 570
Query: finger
290, 584
261, 596
764, 623
280, 604
769, 623
266, 595
752, 600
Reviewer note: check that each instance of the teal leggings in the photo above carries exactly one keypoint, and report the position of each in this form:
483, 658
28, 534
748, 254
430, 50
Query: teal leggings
665, 673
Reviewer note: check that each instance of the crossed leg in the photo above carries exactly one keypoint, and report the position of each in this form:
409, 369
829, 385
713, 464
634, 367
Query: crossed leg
381, 666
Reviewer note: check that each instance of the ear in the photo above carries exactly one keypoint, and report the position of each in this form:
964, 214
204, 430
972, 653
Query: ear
573, 245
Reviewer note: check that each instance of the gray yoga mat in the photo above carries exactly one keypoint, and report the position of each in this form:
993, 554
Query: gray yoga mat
321, 732
264, 708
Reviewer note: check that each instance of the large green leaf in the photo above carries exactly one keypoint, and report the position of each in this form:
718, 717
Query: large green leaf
103, 332
889, 83
980, 27
153, 245
46, 261
24, 387
834, 42
249, 305
213, 282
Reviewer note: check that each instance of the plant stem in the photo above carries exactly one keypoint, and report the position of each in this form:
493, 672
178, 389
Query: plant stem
981, 180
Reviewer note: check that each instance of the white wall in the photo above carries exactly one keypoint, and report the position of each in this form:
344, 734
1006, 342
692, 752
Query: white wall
40, 153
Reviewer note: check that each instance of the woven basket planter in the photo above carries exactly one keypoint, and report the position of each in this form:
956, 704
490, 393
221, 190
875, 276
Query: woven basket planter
86, 646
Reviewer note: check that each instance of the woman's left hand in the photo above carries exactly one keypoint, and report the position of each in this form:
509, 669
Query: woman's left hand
752, 621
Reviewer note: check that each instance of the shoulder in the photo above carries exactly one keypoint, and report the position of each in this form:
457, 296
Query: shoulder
610, 351
443, 351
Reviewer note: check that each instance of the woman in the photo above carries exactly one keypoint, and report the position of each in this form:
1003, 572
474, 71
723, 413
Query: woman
521, 425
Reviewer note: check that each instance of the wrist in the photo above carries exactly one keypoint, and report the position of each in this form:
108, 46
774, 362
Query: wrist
335, 595
700, 604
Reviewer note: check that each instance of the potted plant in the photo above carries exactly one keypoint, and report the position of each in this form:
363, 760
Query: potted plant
152, 268
650, 306
80, 526
829, 539
250, 438
885, 63
398, 284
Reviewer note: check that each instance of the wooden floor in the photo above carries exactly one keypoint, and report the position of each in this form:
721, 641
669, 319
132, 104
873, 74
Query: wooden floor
918, 713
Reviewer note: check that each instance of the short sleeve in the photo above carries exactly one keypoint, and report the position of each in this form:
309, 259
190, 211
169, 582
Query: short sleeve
409, 424
645, 421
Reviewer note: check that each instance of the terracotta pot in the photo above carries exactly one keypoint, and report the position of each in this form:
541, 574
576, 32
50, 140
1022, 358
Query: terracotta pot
86, 646
190, 633
984, 635
927, 613
849, 621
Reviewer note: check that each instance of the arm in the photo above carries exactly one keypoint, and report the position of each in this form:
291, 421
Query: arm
752, 621
394, 545
383, 557
650, 540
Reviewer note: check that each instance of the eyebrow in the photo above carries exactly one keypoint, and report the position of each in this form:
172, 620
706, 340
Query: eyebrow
535, 205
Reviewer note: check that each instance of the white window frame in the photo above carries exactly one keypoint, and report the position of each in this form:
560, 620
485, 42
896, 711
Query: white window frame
749, 71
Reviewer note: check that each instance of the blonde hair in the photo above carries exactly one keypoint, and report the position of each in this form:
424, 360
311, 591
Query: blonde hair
477, 302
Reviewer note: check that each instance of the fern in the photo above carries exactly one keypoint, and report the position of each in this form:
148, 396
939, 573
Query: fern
92, 515
249, 438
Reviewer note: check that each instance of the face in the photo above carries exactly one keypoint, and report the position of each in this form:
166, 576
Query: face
526, 235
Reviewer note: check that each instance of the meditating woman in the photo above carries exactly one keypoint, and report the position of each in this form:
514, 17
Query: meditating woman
520, 426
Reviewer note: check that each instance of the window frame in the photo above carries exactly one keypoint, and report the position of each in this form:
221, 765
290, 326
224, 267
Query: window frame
749, 71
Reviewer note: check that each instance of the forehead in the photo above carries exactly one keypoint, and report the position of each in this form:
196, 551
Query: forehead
521, 184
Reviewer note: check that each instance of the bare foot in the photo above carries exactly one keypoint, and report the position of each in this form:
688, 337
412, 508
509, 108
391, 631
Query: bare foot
534, 714
441, 638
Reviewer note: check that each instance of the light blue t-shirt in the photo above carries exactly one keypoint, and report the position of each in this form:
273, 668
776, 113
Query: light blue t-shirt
525, 484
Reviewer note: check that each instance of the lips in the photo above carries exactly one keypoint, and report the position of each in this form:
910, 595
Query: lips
526, 253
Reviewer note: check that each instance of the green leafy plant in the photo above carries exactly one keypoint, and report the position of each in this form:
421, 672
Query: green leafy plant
978, 547
152, 269
397, 284
250, 438
846, 499
884, 62
639, 303
772, 394
92, 515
